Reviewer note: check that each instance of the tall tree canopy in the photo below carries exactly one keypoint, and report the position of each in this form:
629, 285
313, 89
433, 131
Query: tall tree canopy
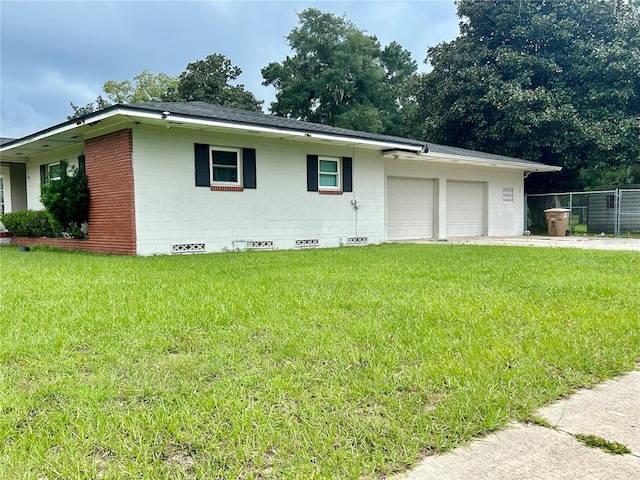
145, 87
340, 76
556, 81
208, 81
204, 80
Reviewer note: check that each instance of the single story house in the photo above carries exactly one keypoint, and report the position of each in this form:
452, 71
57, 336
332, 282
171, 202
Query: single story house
195, 177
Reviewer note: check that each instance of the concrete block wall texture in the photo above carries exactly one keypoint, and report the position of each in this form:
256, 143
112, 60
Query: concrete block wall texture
172, 210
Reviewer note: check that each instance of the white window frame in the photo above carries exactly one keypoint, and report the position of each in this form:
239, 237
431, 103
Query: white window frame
238, 153
337, 173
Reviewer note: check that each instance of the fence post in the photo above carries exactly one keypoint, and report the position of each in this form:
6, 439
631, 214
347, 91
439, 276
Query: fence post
570, 213
617, 198
525, 222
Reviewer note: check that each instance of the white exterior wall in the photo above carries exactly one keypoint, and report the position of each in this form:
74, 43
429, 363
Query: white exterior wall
6, 179
33, 173
501, 219
171, 210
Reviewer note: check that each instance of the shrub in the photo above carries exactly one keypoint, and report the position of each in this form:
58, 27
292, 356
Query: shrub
67, 200
30, 223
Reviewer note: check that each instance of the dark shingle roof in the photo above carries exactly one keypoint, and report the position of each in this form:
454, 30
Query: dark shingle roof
236, 116
4, 140
444, 149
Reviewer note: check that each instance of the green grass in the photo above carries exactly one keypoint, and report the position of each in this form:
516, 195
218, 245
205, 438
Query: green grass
594, 441
340, 363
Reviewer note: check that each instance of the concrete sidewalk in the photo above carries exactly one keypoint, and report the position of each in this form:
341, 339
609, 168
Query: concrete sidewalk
610, 410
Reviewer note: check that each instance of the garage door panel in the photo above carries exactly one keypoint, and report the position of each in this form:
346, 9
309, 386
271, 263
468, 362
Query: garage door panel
465, 209
409, 208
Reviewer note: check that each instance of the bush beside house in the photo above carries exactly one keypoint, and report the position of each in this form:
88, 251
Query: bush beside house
30, 223
66, 202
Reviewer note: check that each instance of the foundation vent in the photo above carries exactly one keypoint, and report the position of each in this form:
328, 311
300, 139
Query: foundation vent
188, 248
260, 245
357, 240
308, 243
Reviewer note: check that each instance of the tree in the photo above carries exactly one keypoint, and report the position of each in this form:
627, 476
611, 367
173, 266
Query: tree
204, 80
98, 104
340, 76
146, 87
208, 81
550, 81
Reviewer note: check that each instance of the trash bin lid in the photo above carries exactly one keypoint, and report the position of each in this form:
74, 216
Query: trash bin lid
557, 210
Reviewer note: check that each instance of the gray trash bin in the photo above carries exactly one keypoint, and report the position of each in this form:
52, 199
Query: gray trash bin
557, 221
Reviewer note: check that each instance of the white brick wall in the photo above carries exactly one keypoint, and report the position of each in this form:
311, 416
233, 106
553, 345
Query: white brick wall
170, 209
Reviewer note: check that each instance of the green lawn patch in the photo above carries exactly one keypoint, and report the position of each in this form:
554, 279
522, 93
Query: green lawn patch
594, 441
339, 363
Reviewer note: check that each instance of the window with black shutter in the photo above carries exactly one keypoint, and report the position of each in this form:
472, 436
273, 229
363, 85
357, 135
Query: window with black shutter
225, 167
329, 174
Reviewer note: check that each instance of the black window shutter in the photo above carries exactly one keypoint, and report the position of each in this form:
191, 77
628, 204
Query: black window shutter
347, 174
81, 163
43, 174
203, 177
249, 167
312, 173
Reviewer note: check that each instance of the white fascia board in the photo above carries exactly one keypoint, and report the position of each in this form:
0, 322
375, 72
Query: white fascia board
494, 162
466, 160
177, 118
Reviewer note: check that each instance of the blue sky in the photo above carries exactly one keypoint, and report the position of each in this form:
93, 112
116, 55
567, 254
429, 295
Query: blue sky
54, 52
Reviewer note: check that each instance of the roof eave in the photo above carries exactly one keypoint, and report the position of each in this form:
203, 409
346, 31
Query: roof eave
175, 118
468, 160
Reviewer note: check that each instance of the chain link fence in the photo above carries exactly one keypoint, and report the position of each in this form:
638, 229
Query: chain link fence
612, 212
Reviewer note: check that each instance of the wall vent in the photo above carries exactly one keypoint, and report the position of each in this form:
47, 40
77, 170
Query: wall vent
307, 243
188, 248
260, 245
507, 194
357, 240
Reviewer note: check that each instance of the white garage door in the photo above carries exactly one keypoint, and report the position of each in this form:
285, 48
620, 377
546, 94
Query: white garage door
409, 208
465, 209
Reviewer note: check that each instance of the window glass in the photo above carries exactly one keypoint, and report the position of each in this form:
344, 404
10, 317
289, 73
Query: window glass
55, 171
328, 166
225, 165
328, 173
328, 180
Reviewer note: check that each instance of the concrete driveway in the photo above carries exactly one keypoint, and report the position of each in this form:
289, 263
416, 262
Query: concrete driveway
595, 243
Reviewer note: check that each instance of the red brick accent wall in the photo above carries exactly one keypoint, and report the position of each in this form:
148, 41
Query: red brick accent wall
112, 216
112, 221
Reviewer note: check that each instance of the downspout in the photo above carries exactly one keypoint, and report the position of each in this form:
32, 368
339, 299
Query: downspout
354, 200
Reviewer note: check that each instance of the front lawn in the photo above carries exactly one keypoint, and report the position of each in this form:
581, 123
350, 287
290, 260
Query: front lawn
341, 363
